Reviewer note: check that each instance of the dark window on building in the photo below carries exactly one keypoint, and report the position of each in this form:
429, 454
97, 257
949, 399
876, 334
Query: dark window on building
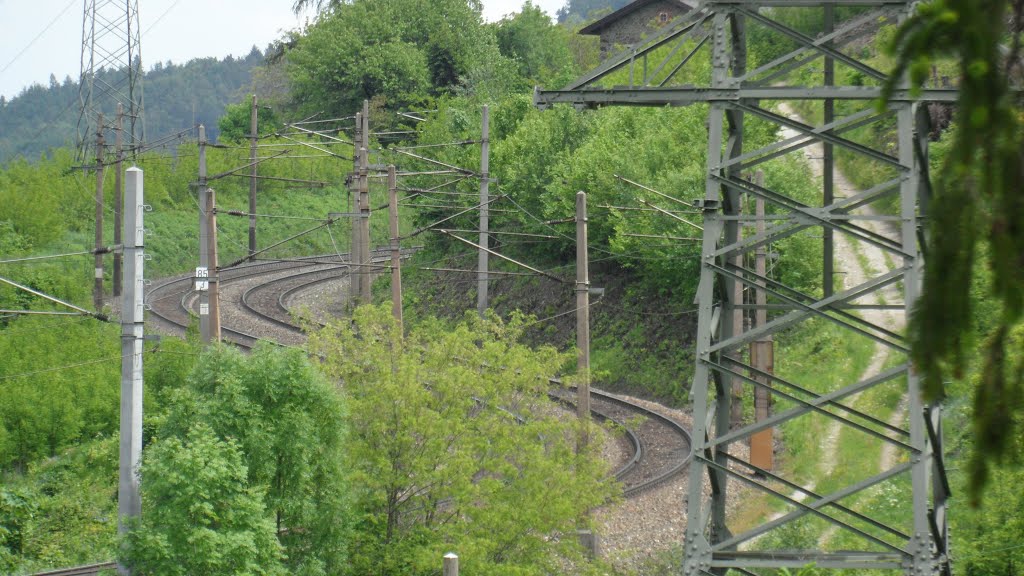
663, 17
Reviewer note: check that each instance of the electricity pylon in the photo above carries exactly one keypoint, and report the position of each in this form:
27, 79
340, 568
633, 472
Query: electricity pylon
111, 71
831, 520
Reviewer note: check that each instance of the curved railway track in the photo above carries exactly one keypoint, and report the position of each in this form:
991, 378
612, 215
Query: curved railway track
174, 305
663, 445
172, 302
87, 570
659, 447
267, 301
270, 301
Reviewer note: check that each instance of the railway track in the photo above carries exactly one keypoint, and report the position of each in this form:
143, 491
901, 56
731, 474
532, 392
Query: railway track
247, 312
659, 447
270, 301
267, 301
172, 302
663, 445
87, 570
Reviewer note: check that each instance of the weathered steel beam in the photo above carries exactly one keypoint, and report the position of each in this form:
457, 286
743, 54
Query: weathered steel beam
685, 96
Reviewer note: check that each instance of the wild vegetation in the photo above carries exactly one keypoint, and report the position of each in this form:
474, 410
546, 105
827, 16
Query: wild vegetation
373, 457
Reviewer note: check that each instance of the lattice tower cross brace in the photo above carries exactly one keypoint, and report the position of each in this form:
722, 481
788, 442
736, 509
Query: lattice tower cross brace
920, 547
716, 549
111, 70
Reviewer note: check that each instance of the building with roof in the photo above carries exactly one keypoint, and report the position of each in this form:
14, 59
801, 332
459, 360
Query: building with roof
635, 21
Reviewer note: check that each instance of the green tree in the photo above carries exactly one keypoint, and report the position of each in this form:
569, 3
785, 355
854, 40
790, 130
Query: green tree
456, 446
404, 50
989, 538
234, 124
288, 423
200, 515
978, 201
538, 47
43, 413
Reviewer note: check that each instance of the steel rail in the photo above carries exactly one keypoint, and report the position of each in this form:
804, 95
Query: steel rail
638, 440
155, 295
85, 570
284, 321
634, 487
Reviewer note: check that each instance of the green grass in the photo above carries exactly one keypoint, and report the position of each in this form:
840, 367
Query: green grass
801, 356
858, 454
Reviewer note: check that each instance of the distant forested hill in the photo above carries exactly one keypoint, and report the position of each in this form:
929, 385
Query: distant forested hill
176, 97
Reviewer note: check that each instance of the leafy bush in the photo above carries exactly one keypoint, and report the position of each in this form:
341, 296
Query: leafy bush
287, 425
200, 516
455, 445
42, 411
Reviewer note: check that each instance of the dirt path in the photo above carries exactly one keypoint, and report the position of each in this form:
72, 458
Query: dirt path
857, 263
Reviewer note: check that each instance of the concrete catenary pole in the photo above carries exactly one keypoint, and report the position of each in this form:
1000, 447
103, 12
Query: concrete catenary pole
253, 127
203, 271
97, 289
129, 503
582, 318
364, 207
451, 565
118, 187
482, 263
396, 249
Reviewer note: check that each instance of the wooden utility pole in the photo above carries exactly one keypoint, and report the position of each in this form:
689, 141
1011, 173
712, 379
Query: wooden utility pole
482, 263
396, 249
253, 126
762, 351
364, 207
582, 319
118, 185
828, 159
354, 250
736, 406
97, 289
206, 274
211, 216
129, 503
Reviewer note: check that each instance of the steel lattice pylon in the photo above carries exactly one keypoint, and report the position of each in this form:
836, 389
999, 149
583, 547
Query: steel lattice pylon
848, 532
111, 70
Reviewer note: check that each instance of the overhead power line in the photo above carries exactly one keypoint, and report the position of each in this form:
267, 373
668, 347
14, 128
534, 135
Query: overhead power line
55, 300
104, 250
37, 37
62, 368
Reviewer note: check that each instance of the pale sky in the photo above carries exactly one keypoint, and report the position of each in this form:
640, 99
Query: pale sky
40, 37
